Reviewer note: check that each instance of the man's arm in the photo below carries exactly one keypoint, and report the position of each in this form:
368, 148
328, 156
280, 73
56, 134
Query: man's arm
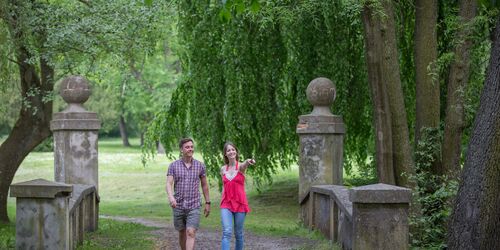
170, 194
205, 188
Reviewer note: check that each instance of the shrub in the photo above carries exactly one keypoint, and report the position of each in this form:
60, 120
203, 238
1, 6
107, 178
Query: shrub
434, 193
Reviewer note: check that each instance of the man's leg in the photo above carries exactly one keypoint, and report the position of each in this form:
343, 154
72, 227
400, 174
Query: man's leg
190, 235
182, 239
192, 224
180, 225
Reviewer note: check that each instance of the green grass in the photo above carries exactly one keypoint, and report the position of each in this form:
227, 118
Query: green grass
7, 236
118, 235
127, 188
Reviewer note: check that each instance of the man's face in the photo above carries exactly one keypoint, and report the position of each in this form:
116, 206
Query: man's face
187, 149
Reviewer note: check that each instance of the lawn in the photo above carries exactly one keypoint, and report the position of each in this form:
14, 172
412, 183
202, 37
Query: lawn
128, 188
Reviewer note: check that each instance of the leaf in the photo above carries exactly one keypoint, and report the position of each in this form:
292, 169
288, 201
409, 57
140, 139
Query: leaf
148, 2
225, 15
489, 3
255, 6
240, 7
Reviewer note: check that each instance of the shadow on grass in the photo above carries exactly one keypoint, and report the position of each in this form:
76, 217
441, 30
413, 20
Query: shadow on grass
281, 193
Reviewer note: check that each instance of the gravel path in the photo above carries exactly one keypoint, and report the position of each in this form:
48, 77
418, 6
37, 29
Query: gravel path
167, 239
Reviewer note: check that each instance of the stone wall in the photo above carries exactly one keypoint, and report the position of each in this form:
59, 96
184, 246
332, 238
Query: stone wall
55, 215
368, 217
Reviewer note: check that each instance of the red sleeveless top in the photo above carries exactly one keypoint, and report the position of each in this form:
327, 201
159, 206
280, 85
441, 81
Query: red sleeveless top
234, 197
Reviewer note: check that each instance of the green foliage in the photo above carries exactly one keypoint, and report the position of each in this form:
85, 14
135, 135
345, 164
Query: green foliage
244, 79
106, 41
7, 236
433, 193
489, 3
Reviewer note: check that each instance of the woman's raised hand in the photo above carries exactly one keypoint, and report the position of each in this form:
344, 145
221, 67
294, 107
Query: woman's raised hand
250, 161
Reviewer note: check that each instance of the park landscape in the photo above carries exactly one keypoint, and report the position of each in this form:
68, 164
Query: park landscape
416, 85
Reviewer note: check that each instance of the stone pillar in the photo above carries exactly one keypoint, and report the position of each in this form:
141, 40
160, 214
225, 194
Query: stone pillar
380, 217
42, 215
75, 136
321, 137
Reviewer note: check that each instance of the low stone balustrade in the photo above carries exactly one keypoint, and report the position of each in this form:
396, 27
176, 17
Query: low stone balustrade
52, 215
42, 214
367, 217
55, 215
83, 212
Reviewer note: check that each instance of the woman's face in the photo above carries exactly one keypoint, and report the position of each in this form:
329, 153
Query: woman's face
231, 152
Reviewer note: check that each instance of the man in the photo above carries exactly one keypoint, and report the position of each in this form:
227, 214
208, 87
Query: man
184, 176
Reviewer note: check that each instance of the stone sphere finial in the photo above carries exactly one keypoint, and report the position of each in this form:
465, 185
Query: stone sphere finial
321, 93
75, 90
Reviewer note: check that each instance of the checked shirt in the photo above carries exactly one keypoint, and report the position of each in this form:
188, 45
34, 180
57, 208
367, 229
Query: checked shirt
187, 183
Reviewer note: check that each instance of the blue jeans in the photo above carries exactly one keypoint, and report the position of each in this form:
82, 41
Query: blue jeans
227, 218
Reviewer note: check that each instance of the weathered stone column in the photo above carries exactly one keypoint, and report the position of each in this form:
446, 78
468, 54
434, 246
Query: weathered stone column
42, 216
380, 217
75, 136
321, 136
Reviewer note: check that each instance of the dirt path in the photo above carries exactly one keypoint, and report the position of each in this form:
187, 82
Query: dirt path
166, 237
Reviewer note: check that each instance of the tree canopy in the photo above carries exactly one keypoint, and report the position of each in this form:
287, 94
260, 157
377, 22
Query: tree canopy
46, 40
244, 79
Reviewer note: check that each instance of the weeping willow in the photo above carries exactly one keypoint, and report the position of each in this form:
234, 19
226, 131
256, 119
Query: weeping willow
244, 80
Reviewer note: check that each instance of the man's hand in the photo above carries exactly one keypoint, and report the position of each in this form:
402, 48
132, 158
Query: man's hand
207, 210
172, 201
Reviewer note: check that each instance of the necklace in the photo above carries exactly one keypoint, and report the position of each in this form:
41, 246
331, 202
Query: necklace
230, 174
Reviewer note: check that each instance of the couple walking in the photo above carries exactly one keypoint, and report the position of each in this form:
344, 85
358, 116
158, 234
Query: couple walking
183, 180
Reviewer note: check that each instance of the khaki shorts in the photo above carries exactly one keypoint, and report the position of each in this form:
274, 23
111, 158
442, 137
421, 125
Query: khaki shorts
184, 218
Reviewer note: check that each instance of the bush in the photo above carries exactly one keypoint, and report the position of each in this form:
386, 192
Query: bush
434, 194
7, 236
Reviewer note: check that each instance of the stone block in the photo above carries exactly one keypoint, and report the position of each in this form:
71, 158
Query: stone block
380, 217
40, 188
42, 221
380, 193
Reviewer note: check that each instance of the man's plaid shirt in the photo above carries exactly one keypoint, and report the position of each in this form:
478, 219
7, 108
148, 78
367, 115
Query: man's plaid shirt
187, 183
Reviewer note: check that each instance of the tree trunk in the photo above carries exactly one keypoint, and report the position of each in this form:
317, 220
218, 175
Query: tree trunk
457, 83
381, 28
427, 88
475, 222
381, 112
32, 126
402, 156
123, 132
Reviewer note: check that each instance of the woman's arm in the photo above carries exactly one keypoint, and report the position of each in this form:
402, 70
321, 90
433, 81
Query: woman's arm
245, 164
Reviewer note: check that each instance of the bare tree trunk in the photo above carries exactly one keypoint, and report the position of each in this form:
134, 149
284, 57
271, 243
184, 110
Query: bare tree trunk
123, 132
380, 30
427, 88
402, 157
457, 83
475, 222
381, 112
32, 126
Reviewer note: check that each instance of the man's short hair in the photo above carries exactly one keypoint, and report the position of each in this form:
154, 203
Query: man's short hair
184, 141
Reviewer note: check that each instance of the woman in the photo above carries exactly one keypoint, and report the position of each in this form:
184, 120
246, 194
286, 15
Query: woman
234, 205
